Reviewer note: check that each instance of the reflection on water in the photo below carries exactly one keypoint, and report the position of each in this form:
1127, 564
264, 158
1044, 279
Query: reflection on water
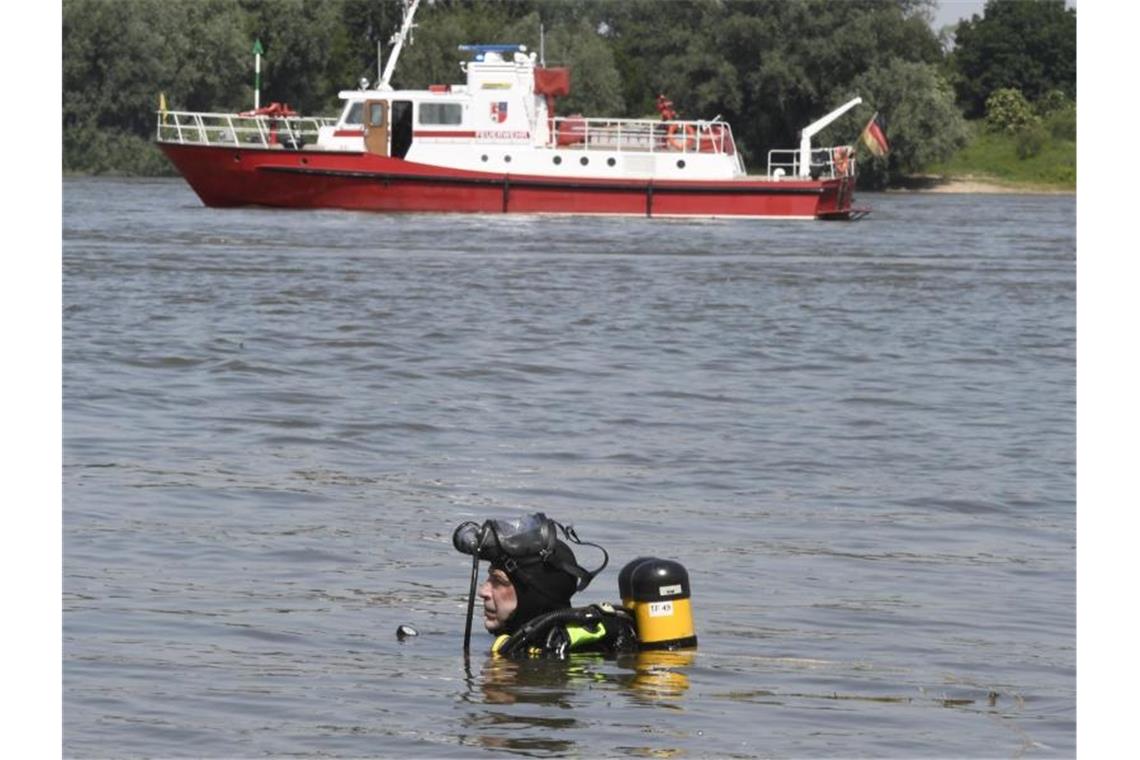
539, 682
644, 678
505, 681
659, 675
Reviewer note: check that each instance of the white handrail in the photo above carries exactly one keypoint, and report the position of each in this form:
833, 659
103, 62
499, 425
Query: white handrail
788, 163
236, 130
642, 135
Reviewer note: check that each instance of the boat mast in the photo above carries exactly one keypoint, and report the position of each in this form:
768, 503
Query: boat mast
398, 43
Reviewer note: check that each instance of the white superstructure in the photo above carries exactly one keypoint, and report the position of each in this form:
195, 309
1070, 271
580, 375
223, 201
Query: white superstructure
500, 121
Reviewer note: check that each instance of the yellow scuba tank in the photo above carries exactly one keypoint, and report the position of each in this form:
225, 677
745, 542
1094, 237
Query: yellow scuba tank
625, 592
657, 592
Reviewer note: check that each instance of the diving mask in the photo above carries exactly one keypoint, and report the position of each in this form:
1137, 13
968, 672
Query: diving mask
497, 540
522, 541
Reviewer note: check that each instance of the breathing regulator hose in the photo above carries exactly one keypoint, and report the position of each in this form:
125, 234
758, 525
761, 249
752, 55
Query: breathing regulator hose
474, 582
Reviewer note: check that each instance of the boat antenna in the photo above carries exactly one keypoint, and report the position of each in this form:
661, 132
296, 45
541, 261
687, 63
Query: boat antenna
406, 27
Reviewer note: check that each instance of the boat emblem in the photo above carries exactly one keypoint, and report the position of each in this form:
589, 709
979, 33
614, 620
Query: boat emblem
499, 111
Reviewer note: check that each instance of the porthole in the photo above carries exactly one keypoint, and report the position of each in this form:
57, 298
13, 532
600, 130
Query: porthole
611, 161
484, 158
557, 160
237, 157
681, 164
305, 161
584, 161
507, 159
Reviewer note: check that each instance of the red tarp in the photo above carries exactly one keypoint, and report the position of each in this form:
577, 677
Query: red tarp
552, 82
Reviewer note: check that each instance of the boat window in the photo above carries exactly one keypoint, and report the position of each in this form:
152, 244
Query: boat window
354, 112
376, 114
441, 113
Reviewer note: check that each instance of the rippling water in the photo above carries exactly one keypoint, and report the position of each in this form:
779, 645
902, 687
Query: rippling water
858, 438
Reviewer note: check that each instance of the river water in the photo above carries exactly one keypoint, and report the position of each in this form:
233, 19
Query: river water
859, 439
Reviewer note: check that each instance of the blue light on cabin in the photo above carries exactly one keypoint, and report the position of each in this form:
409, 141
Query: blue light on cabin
481, 50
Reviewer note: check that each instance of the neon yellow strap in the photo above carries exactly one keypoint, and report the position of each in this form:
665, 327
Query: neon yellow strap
580, 636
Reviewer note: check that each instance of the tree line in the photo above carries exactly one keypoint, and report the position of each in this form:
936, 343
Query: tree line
769, 67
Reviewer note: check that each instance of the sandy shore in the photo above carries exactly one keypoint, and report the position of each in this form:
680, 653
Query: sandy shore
930, 184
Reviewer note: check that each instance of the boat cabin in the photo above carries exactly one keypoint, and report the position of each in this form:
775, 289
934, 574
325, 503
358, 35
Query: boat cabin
503, 120
497, 105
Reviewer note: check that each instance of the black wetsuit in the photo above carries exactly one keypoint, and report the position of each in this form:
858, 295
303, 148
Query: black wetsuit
599, 628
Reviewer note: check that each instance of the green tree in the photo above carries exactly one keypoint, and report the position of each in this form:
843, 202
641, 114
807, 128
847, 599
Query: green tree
923, 123
118, 56
770, 67
595, 82
365, 23
434, 58
299, 37
1028, 45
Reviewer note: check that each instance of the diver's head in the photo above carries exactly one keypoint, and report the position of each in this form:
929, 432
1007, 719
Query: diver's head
500, 600
532, 570
535, 588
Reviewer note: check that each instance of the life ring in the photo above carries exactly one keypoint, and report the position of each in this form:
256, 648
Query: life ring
685, 141
840, 160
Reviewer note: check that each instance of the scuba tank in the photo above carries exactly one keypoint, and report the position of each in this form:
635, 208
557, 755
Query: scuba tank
625, 593
657, 592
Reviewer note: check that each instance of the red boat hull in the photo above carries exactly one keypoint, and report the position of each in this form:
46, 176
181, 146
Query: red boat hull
324, 179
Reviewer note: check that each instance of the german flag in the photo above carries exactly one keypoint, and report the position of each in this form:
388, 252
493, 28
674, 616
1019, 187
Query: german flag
875, 136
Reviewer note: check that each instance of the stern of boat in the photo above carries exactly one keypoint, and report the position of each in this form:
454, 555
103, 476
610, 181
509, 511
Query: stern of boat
832, 169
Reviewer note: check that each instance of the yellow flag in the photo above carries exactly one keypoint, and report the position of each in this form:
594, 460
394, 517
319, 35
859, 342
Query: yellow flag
162, 102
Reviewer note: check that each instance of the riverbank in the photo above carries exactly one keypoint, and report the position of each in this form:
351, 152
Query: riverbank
997, 163
973, 184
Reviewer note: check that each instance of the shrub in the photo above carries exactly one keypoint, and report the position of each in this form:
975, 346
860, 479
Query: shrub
1030, 139
1052, 102
88, 149
1062, 123
1058, 113
1008, 111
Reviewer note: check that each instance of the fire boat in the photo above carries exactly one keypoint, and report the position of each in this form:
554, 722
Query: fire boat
495, 145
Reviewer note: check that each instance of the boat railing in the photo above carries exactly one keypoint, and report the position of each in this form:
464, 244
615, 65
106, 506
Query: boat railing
642, 135
236, 130
827, 163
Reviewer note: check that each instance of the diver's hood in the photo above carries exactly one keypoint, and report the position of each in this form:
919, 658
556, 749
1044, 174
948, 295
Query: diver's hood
518, 544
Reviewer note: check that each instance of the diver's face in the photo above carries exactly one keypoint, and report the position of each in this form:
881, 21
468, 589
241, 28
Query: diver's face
499, 600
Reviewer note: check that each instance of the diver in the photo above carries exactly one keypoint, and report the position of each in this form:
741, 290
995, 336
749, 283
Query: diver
526, 596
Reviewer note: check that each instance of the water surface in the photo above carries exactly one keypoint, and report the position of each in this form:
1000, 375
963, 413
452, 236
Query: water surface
858, 438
